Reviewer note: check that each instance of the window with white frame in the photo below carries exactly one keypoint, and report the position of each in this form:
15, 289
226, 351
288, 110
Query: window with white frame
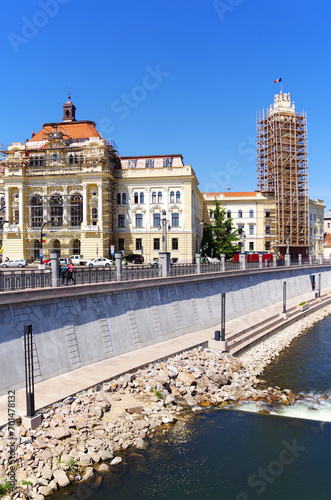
175, 220
139, 220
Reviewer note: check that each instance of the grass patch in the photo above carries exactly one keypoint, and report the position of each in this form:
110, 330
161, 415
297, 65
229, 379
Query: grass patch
4, 488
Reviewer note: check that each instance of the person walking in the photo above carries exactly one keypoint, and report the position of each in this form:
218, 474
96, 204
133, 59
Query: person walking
70, 271
64, 273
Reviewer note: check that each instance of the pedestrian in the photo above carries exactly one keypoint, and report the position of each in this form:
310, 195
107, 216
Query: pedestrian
70, 270
64, 273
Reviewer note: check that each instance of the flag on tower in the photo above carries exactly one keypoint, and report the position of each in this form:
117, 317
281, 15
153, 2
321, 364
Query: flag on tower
279, 80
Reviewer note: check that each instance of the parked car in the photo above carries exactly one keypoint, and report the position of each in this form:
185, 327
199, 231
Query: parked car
77, 260
156, 263
14, 263
100, 262
46, 261
134, 258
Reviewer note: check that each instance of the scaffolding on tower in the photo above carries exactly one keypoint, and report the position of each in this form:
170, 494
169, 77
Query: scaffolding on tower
282, 169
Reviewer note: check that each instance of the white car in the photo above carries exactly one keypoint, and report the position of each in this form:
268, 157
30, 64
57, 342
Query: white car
14, 263
101, 262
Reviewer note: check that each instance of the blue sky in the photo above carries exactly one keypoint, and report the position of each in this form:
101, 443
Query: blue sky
171, 76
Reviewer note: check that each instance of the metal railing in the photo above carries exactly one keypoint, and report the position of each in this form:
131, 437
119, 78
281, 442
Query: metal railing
22, 279
140, 272
211, 268
29, 279
89, 275
182, 269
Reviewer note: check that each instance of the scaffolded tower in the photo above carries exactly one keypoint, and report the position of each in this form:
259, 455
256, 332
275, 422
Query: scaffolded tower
282, 168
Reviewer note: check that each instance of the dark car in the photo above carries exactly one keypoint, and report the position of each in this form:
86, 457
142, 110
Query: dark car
134, 258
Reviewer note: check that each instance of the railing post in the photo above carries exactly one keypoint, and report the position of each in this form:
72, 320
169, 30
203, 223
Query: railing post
287, 259
284, 297
118, 260
164, 260
260, 261
223, 261
320, 258
243, 261
31, 420
319, 285
198, 263
274, 260
300, 259
310, 260
55, 269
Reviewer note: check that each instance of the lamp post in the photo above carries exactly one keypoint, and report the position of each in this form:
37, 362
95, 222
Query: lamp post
164, 231
287, 241
41, 237
243, 237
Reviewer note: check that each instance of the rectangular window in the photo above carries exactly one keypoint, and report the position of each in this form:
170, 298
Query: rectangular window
132, 163
167, 162
121, 244
150, 163
251, 245
175, 220
16, 216
94, 216
267, 230
139, 220
328, 224
139, 244
267, 245
156, 220
251, 229
121, 220
156, 244
241, 228
174, 245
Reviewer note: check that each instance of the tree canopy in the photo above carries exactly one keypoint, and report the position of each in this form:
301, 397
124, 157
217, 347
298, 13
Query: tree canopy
220, 236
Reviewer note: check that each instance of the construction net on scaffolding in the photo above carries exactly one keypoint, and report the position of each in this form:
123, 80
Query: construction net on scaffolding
282, 169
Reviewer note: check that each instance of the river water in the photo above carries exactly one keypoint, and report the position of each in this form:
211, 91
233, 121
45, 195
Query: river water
238, 454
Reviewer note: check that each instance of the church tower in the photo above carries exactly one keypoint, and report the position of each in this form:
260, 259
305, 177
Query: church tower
282, 169
69, 111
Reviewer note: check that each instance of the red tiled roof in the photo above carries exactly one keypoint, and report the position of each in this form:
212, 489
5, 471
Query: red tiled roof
70, 130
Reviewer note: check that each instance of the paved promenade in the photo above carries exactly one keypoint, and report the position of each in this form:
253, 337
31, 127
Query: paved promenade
62, 386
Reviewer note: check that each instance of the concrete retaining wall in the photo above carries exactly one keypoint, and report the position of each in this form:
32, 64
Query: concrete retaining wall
76, 326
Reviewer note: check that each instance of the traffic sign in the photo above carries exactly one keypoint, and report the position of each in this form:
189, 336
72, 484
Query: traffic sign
112, 249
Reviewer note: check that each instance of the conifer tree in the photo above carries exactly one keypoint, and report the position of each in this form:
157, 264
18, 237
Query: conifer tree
220, 234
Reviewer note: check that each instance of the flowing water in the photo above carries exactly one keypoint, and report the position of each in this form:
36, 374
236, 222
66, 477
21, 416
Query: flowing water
242, 455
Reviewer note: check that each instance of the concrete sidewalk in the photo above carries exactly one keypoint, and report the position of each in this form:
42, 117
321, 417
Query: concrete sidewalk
62, 386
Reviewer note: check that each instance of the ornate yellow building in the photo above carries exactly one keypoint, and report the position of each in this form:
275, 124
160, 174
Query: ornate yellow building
67, 189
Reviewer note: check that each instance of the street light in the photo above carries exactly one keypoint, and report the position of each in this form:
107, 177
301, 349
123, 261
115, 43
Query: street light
243, 237
164, 231
287, 241
41, 238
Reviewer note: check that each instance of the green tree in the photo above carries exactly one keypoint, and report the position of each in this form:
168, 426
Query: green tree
220, 234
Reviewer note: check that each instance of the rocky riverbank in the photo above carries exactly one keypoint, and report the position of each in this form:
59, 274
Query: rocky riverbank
82, 439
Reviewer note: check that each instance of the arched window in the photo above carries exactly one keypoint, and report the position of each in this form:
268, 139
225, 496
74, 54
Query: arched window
136, 198
56, 210
240, 214
177, 196
76, 209
118, 198
124, 198
142, 197
41, 161
159, 197
76, 247
172, 197
154, 197
251, 214
228, 214
71, 159
36, 211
